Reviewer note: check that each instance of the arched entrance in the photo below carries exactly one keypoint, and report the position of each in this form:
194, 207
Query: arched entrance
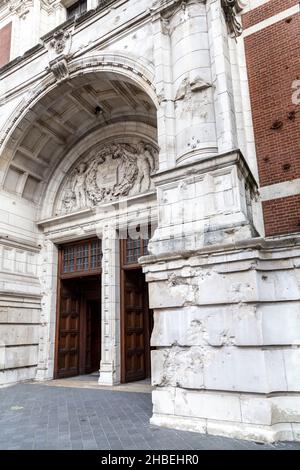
80, 153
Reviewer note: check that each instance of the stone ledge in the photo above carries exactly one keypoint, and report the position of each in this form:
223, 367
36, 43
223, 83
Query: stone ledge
258, 244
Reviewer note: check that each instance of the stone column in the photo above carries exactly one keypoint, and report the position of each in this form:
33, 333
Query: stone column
195, 127
221, 78
110, 368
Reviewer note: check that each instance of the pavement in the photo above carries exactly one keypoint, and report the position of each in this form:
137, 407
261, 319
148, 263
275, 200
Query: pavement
43, 416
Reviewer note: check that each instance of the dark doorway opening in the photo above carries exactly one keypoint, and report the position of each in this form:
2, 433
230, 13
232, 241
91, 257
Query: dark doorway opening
78, 332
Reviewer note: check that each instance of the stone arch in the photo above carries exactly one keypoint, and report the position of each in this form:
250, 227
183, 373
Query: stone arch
140, 71
100, 136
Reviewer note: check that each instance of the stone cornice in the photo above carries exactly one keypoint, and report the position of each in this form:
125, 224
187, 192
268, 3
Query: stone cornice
282, 245
206, 164
162, 6
16, 242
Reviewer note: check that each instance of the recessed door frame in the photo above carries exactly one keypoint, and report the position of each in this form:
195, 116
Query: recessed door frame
90, 272
125, 267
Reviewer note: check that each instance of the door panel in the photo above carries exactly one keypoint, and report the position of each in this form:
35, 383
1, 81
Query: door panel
79, 327
136, 333
69, 332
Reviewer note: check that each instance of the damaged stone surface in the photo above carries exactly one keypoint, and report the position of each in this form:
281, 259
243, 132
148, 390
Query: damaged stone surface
227, 341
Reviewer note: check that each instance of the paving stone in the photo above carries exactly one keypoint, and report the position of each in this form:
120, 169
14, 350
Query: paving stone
72, 418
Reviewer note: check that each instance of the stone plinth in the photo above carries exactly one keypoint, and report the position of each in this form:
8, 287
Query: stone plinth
227, 323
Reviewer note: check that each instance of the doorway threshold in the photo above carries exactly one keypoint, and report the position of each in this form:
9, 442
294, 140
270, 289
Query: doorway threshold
91, 382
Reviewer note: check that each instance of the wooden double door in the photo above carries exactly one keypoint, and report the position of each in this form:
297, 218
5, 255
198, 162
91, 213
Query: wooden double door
78, 334
79, 327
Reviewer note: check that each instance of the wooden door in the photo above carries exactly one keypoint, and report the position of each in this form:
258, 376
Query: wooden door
136, 327
68, 332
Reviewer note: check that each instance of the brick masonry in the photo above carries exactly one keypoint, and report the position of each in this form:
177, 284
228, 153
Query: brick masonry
282, 215
5, 43
265, 11
273, 61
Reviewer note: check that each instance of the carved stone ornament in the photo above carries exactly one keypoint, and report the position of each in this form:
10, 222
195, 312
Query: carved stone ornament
107, 174
231, 9
59, 68
20, 7
59, 41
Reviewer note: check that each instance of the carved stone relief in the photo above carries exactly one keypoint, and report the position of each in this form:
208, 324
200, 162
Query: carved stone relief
58, 54
60, 69
108, 173
59, 41
192, 99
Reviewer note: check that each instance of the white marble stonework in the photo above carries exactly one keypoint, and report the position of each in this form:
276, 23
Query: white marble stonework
139, 112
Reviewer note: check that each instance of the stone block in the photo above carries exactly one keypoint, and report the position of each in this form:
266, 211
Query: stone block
286, 409
163, 401
207, 405
22, 356
256, 410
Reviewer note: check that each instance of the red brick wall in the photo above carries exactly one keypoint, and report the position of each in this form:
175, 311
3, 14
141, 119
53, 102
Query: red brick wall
5, 42
282, 216
273, 7
273, 62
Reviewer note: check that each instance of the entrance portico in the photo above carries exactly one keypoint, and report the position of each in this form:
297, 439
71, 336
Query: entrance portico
135, 116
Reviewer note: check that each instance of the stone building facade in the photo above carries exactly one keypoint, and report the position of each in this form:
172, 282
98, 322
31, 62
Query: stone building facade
179, 118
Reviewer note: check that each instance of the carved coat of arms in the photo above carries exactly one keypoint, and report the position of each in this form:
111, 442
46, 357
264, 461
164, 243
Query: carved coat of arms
111, 172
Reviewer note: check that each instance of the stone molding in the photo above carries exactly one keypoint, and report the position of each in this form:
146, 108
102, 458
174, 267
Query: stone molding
259, 244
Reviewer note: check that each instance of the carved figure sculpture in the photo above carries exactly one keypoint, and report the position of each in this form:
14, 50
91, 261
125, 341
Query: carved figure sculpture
145, 164
110, 172
79, 185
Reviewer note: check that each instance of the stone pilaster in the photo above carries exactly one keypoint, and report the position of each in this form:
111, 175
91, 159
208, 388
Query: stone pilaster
221, 78
48, 262
110, 355
164, 87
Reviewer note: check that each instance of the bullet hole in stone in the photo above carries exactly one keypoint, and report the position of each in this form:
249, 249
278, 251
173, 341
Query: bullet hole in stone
292, 115
277, 125
286, 167
289, 20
